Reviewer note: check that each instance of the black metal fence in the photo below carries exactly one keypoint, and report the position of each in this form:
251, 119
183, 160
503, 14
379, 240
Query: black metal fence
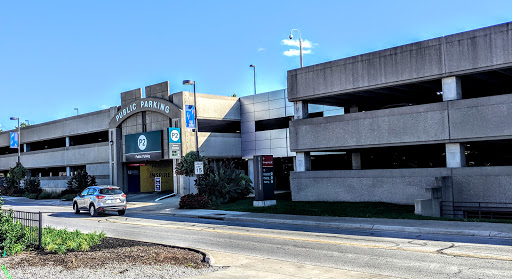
477, 210
31, 221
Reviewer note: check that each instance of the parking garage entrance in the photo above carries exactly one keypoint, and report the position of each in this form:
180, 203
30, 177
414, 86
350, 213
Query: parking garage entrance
150, 177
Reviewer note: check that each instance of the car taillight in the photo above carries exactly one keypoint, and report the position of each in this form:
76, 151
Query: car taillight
100, 197
123, 195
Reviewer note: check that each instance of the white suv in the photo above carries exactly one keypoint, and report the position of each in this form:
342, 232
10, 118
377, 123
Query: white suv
99, 199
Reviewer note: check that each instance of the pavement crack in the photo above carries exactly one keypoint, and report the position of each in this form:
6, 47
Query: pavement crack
441, 251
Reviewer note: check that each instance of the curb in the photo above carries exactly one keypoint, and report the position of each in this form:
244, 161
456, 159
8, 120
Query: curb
354, 226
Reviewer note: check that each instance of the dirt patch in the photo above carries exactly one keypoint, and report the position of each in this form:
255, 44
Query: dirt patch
112, 251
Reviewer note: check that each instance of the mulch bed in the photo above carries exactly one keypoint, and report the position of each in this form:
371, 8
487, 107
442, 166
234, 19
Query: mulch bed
113, 251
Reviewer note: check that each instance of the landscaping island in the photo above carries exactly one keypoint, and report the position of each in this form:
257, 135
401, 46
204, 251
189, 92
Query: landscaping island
112, 258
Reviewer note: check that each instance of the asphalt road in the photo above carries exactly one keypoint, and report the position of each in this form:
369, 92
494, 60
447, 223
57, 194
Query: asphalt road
372, 253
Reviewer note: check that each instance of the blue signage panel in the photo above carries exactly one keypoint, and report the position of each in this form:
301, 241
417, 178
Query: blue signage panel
190, 116
174, 135
14, 141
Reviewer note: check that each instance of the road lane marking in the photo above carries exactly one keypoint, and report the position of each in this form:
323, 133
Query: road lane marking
371, 246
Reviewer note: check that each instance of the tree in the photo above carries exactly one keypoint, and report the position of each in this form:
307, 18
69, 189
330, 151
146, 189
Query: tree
186, 165
80, 181
23, 124
15, 175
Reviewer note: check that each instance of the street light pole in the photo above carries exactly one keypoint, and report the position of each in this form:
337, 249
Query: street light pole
19, 137
254, 68
76, 111
191, 82
300, 44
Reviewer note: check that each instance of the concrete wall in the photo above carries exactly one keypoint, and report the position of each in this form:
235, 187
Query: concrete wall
454, 121
403, 186
400, 186
64, 156
477, 184
472, 51
81, 124
220, 145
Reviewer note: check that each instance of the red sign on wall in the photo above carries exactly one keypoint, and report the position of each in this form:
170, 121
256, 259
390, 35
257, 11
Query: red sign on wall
268, 160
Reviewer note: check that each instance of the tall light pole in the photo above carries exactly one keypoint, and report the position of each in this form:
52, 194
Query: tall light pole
76, 111
254, 68
28, 122
300, 44
19, 137
191, 82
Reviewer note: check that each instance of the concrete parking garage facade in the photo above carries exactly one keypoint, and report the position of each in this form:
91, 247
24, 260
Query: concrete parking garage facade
441, 96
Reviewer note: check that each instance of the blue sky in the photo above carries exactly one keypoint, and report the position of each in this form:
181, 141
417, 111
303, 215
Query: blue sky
58, 55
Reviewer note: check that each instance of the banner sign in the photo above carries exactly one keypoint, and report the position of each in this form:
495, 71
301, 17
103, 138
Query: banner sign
14, 142
174, 143
190, 116
143, 146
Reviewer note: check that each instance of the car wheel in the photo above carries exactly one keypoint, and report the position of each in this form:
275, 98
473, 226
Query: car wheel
92, 210
121, 212
75, 207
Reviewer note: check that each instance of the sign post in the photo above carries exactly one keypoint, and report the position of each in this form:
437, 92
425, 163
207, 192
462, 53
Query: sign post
264, 182
158, 184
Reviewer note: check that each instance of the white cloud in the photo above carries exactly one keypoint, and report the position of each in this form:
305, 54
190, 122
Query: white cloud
305, 43
104, 107
296, 52
261, 49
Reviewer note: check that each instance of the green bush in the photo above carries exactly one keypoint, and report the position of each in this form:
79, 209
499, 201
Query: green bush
33, 185
68, 197
186, 165
61, 241
14, 238
223, 183
49, 195
79, 182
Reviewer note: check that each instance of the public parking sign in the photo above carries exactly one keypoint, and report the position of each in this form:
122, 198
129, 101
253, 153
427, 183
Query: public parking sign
14, 141
174, 143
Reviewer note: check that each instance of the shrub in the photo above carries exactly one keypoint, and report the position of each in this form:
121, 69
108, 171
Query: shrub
48, 195
61, 241
33, 185
186, 165
80, 181
194, 201
224, 183
68, 197
14, 238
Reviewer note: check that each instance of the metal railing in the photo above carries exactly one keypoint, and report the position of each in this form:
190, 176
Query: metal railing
476, 210
31, 221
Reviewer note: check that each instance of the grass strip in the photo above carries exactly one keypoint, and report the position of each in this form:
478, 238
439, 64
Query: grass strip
285, 205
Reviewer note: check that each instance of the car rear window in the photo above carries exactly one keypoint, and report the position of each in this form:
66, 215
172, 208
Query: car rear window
110, 191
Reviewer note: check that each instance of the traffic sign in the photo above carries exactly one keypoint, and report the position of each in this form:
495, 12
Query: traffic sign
199, 168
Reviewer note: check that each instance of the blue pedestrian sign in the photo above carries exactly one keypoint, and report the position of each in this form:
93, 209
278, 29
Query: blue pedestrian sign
14, 141
190, 117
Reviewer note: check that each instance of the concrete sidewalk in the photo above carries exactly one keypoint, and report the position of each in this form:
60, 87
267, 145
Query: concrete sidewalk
402, 225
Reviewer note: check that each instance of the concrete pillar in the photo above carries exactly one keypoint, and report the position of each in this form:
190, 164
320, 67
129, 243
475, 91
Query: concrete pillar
68, 141
455, 155
451, 89
356, 160
302, 161
300, 110
250, 166
116, 159
68, 171
25, 147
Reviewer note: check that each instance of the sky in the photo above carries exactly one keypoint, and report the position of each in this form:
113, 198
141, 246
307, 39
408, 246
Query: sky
59, 55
